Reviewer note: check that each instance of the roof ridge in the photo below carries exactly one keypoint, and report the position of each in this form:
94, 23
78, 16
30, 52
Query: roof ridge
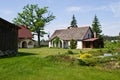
73, 28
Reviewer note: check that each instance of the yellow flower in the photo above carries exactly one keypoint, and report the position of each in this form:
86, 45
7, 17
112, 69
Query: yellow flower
85, 55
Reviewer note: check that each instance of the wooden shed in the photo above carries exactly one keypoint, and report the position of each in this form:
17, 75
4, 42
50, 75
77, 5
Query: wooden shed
8, 38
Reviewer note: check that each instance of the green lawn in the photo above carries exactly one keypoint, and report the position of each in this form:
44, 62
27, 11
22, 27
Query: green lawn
31, 64
42, 52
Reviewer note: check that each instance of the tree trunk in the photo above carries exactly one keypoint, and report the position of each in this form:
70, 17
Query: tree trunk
39, 39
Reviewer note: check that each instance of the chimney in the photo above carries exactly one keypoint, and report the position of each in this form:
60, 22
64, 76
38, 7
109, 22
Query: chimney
95, 35
68, 27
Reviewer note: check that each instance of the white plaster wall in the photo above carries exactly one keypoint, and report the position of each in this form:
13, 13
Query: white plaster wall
62, 43
68, 44
50, 44
27, 41
30, 46
79, 44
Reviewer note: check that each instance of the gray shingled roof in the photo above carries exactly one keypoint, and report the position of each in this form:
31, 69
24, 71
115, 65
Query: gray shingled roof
72, 33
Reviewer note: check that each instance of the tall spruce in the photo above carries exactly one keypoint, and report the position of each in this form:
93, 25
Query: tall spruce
96, 27
35, 18
73, 22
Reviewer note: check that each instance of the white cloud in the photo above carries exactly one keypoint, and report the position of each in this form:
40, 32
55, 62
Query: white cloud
74, 9
115, 8
100, 8
86, 8
112, 7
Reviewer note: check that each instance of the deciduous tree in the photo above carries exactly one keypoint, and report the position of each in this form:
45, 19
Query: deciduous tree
35, 18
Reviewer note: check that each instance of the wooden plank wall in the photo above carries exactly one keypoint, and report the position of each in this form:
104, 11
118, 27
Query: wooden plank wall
8, 37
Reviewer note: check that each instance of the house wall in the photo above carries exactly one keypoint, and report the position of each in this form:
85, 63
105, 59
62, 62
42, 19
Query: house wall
79, 45
66, 44
89, 34
28, 42
50, 45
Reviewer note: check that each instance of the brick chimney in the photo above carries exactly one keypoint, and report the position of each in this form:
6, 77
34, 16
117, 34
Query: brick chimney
95, 35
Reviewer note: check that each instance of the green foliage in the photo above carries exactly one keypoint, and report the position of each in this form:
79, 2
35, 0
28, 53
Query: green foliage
57, 41
87, 59
73, 22
35, 18
96, 26
70, 52
94, 61
73, 44
98, 52
88, 62
112, 46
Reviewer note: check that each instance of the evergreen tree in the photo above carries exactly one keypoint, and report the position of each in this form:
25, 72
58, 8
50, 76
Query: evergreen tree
73, 22
35, 18
73, 44
96, 27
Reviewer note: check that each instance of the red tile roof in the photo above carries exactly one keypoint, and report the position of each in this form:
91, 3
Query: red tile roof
24, 32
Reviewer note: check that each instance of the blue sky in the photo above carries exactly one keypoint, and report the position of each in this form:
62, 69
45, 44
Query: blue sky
107, 11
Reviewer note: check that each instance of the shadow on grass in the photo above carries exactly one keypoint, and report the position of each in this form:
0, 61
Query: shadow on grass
18, 55
25, 54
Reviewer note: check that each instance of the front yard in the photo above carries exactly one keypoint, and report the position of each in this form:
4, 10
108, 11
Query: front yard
34, 64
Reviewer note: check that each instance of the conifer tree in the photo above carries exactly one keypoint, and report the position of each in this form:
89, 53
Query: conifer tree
73, 22
96, 27
72, 44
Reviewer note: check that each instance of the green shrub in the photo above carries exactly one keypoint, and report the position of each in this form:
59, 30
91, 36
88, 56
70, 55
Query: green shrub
88, 61
112, 46
81, 51
82, 62
94, 53
73, 44
91, 61
119, 63
70, 52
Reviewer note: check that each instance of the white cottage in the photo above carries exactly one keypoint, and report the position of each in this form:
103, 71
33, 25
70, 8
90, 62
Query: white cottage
84, 37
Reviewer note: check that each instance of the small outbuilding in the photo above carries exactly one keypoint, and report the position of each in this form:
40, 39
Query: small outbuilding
8, 38
25, 38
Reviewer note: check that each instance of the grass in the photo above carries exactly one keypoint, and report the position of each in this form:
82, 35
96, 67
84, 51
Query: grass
31, 64
43, 52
